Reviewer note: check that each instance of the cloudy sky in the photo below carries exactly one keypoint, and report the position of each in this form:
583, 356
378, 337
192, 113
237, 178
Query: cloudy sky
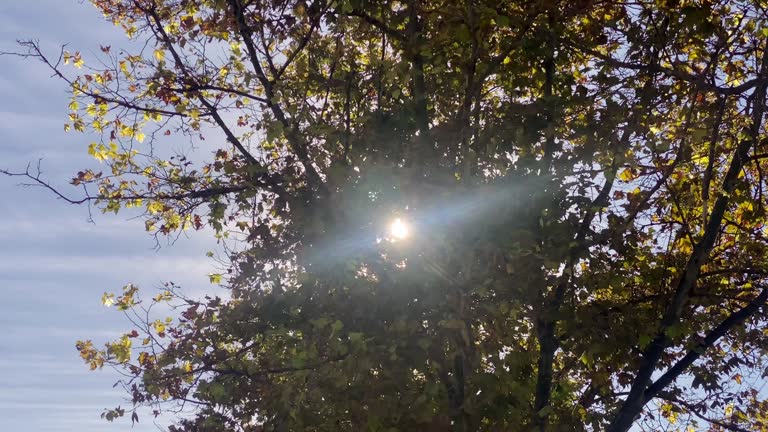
54, 265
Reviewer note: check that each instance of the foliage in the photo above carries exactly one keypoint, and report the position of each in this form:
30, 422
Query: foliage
583, 182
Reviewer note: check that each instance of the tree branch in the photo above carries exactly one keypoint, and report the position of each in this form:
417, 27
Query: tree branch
299, 146
695, 410
302, 43
698, 81
421, 112
636, 400
733, 320
271, 180
392, 33
36, 52
197, 194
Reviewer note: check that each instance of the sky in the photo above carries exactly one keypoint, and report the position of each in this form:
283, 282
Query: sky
54, 264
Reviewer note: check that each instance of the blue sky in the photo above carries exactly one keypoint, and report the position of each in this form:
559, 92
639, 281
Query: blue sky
54, 265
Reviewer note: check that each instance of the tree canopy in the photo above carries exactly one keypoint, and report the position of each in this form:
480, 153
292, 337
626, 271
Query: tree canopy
578, 189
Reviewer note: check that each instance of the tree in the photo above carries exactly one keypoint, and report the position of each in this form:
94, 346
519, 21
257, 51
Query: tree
582, 183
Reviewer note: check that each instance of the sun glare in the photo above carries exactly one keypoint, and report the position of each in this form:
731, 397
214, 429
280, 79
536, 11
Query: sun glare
398, 229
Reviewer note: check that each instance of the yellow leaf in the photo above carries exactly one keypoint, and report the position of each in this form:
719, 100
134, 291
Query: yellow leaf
684, 245
164, 296
126, 131
78, 61
159, 326
108, 299
112, 150
626, 175
702, 161
154, 207
173, 221
159, 55
235, 47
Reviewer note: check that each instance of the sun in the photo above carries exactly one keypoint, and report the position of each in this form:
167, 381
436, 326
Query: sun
399, 230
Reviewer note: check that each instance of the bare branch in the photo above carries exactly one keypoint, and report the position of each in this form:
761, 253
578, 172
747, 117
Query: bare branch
197, 194
36, 52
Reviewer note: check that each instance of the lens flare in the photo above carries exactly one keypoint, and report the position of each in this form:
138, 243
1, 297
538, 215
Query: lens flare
398, 229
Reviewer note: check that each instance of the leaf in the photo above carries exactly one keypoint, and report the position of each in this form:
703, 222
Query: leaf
336, 326
78, 61
108, 299
643, 341
544, 412
627, 175
452, 324
159, 327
